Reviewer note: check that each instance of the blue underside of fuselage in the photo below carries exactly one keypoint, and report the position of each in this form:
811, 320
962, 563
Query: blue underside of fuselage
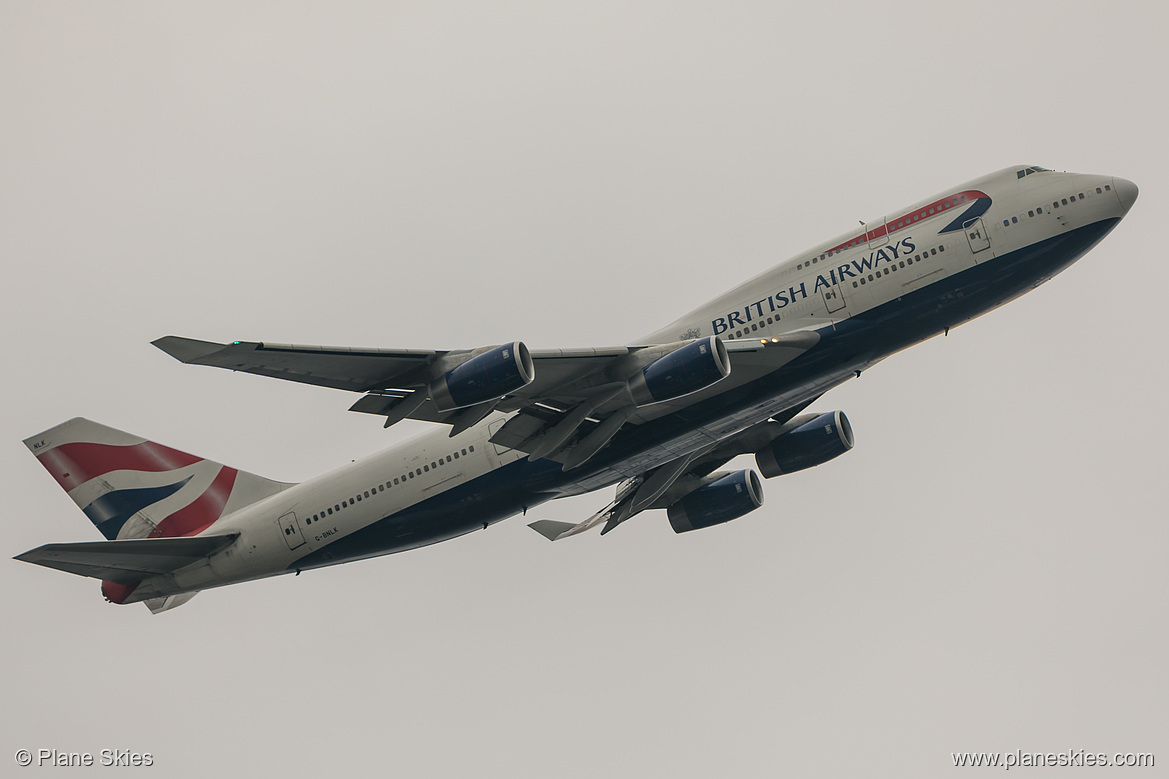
850, 344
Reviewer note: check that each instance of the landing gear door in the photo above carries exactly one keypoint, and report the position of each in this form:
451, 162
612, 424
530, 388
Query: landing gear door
977, 236
291, 530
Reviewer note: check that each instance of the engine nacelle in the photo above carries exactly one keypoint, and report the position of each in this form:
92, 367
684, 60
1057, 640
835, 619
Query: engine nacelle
687, 369
484, 377
726, 498
812, 443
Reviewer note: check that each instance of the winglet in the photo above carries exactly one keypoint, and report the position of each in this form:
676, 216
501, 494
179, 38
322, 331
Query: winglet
186, 350
551, 529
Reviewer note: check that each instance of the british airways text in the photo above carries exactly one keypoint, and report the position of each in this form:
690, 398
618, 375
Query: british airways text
785, 297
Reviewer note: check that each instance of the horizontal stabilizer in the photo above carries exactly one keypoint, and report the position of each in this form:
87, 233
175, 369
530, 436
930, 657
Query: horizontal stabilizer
551, 529
127, 561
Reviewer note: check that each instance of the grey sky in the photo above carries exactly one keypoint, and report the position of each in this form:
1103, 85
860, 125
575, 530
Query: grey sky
985, 571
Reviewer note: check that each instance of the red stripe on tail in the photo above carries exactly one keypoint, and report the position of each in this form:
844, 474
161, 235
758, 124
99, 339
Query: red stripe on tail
76, 463
201, 513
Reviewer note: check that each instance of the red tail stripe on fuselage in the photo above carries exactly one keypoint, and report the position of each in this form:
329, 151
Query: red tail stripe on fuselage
76, 463
907, 220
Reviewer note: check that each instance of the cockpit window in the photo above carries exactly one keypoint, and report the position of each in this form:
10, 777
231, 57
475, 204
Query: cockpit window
1029, 171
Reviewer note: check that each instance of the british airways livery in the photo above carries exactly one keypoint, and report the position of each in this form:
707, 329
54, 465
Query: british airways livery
656, 419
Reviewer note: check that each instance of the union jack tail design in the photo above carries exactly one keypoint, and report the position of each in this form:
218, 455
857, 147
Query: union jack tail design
133, 488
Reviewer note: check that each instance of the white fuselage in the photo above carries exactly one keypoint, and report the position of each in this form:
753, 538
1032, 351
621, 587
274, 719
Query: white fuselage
876, 289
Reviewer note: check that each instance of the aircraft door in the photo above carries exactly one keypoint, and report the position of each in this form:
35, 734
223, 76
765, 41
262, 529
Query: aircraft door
291, 530
877, 233
834, 299
977, 236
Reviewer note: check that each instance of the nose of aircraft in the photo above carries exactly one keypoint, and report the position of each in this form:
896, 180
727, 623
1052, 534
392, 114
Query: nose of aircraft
1126, 192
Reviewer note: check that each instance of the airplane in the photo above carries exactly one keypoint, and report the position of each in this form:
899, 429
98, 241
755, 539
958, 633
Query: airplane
516, 427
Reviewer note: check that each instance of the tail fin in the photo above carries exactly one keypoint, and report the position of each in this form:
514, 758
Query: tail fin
133, 488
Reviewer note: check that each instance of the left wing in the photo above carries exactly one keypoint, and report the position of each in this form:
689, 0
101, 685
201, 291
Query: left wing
663, 486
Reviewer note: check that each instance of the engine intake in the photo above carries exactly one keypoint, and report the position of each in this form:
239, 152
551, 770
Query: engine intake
727, 497
484, 377
687, 369
812, 443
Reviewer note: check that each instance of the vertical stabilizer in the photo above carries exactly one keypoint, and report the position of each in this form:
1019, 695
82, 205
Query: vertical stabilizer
133, 488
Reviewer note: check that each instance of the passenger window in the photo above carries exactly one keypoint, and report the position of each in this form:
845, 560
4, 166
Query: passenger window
1065, 201
854, 285
1006, 223
903, 263
367, 493
426, 468
1099, 191
1030, 213
1014, 220
941, 248
329, 510
1055, 204
448, 458
1107, 187
464, 451
933, 251
1038, 210
1081, 196
862, 279
471, 447
456, 455
359, 497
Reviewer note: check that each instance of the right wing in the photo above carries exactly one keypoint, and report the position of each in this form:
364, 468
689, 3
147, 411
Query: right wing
575, 402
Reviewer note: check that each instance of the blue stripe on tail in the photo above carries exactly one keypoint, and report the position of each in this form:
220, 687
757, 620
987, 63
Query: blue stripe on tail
111, 511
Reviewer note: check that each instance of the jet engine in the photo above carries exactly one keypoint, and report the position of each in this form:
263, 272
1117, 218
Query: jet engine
812, 443
721, 500
689, 368
486, 376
